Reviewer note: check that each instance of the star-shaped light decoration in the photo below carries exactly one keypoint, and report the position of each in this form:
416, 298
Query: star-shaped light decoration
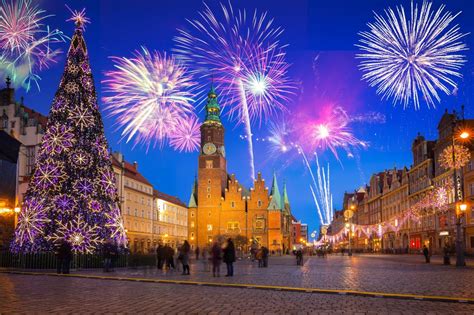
49, 175
115, 223
79, 18
31, 221
82, 236
82, 117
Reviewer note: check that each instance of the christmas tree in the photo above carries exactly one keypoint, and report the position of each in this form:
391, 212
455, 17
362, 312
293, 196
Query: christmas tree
72, 194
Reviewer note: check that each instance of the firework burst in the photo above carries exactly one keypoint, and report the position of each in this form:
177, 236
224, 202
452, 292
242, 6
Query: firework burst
405, 57
243, 55
330, 131
25, 43
186, 136
151, 96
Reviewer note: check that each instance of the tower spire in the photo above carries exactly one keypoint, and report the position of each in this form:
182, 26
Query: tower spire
213, 110
275, 203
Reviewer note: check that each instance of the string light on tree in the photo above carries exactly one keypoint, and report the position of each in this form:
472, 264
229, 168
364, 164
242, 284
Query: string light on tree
72, 195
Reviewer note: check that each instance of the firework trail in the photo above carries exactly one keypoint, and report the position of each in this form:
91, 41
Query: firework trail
25, 42
320, 190
242, 54
151, 96
404, 57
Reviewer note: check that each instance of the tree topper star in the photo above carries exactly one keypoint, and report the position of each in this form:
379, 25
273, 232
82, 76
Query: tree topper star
79, 18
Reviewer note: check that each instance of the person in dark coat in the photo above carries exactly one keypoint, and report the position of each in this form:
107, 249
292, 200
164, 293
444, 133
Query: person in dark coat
426, 253
63, 257
299, 257
184, 253
229, 257
265, 253
197, 251
108, 253
160, 255
216, 257
169, 257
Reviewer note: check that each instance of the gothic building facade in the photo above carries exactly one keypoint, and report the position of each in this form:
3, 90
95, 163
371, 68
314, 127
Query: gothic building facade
220, 207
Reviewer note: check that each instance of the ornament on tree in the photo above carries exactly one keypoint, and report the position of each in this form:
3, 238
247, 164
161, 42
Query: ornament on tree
72, 195
461, 157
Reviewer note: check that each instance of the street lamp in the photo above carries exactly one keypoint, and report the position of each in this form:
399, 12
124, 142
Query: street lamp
348, 214
459, 195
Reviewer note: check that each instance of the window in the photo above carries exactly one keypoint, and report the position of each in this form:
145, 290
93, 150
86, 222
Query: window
208, 196
472, 213
471, 189
232, 204
208, 181
192, 214
208, 189
209, 164
259, 203
233, 226
192, 224
30, 159
209, 227
136, 212
472, 241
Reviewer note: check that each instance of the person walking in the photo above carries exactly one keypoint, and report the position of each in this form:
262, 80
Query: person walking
63, 257
160, 256
265, 253
169, 257
426, 253
197, 252
184, 253
229, 257
108, 252
299, 257
259, 257
216, 257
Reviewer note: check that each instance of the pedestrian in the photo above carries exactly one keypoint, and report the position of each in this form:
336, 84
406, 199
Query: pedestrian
205, 261
197, 253
259, 257
299, 257
177, 259
63, 257
426, 253
216, 257
229, 257
108, 252
184, 252
160, 256
169, 257
265, 253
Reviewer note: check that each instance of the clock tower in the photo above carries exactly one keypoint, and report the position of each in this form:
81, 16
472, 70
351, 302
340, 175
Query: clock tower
212, 172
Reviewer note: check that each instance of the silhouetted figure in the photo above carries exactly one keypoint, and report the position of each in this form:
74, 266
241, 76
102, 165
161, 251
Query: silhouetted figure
265, 253
160, 255
169, 257
229, 257
197, 251
63, 257
216, 257
426, 253
184, 253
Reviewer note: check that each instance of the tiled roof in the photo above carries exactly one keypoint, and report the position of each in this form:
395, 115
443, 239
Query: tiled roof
131, 171
172, 199
34, 114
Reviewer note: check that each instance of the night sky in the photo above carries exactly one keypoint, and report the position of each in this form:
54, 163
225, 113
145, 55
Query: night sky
321, 36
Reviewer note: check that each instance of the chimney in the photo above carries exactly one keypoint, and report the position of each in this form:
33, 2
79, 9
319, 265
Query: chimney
135, 165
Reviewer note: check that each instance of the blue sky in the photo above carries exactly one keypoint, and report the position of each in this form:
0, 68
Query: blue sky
321, 35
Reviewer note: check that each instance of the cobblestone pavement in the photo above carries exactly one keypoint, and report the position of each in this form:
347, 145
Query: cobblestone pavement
374, 273
46, 294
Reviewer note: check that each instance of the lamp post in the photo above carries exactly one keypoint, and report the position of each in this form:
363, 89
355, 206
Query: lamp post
348, 214
459, 195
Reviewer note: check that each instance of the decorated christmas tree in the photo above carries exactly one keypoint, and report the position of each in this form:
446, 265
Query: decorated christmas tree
72, 194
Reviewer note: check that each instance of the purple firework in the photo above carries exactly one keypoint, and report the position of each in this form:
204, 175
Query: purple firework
186, 136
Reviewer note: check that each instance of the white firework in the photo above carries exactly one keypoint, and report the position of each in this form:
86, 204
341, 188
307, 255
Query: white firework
321, 190
407, 56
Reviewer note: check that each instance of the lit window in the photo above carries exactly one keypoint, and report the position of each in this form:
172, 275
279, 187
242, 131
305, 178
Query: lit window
209, 227
209, 164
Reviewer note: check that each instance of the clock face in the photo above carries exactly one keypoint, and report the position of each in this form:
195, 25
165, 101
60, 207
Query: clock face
222, 150
209, 148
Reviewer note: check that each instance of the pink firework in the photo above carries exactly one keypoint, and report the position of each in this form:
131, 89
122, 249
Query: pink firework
25, 43
329, 131
150, 95
186, 135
